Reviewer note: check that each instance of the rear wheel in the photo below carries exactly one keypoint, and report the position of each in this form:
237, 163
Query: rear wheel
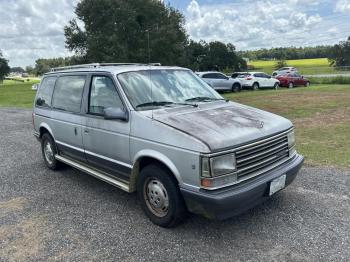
236, 88
276, 86
255, 86
160, 196
48, 149
307, 84
290, 85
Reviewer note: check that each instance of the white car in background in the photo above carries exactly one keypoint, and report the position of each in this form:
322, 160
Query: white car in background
256, 80
284, 70
220, 82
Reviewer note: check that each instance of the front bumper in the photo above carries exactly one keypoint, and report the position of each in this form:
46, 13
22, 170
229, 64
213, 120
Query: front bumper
234, 200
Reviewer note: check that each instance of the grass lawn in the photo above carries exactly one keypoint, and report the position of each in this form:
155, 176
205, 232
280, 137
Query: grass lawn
17, 94
305, 66
321, 115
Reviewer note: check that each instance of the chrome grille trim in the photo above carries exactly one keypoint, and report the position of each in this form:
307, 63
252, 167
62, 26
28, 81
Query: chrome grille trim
262, 155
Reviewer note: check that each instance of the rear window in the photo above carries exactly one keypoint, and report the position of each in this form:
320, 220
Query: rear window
44, 95
68, 93
243, 75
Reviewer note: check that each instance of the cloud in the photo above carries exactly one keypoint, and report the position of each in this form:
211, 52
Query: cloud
252, 24
343, 6
33, 29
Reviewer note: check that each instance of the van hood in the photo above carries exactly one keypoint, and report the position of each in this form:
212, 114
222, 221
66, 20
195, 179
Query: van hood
223, 125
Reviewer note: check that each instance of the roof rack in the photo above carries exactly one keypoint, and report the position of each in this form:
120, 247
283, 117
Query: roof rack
95, 65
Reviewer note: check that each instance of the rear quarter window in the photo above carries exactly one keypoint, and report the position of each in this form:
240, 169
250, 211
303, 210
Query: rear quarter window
68, 93
44, 94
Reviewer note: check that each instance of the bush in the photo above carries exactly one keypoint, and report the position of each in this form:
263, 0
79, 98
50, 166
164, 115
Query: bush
330, 80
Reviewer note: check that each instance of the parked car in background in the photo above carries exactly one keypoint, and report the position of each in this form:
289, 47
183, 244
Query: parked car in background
293, 79
164, 133
236, 74
256, 80
220, 82
284, 70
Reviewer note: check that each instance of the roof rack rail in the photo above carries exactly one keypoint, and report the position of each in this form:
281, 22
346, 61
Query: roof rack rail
95, 65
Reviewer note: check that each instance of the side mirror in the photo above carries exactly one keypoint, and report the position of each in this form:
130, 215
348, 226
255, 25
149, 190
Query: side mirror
115, 113
302, 76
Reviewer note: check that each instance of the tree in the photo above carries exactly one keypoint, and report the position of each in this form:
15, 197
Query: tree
4, 68
341, 54
280, 63
127, 31
213, 56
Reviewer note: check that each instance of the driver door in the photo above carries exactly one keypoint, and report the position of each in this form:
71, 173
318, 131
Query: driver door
106, 142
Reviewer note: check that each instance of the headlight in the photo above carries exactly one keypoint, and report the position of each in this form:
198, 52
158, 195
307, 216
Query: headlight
291, 139
218, 166
218, 171
223, 165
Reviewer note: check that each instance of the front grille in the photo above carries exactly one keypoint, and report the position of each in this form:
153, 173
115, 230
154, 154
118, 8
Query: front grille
257, 157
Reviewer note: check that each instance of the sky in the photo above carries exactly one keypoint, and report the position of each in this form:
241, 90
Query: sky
32, 29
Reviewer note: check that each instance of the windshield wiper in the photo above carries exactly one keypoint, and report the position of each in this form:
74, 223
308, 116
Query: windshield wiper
164, 103
204, 99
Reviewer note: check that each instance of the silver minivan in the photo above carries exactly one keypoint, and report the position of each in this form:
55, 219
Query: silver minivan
166, 134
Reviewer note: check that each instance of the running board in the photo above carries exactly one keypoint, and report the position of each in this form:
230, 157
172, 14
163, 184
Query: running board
117, 183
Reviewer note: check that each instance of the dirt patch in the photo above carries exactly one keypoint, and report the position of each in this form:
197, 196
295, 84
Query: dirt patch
326, 118
24, 240
13, 205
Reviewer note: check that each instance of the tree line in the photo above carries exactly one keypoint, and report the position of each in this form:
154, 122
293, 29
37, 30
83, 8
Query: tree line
288, 53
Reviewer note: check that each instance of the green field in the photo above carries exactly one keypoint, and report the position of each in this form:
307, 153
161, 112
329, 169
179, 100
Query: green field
305, 66
16, 94
321, 115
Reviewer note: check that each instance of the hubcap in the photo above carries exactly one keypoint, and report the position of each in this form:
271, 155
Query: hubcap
156, 197
48, 152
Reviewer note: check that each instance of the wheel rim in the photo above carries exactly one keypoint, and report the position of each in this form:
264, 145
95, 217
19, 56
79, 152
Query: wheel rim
307, 84
255, 86
48, 152
277, 86
156, 197
290, 85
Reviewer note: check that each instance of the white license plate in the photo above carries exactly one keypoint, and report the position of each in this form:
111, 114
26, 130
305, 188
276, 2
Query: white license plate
277, 184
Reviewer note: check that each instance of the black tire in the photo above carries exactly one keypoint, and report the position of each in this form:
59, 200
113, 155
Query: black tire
176, 211
290, 85
276, 86
255, 86
236, 88
51, 163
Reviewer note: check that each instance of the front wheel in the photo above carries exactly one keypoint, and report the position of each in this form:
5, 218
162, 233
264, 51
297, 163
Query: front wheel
290, 85
276, 86
236, 88
160, 196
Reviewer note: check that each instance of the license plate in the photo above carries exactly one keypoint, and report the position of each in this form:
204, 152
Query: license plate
277, 184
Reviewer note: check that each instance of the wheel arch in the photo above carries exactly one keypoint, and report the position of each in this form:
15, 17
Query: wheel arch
45, 128
147, 157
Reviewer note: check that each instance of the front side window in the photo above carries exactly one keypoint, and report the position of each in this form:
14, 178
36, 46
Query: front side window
45, 91
166, 87
68, 93
103, 94
220, 76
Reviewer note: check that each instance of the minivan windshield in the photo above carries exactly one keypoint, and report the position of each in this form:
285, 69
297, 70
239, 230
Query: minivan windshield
150, 89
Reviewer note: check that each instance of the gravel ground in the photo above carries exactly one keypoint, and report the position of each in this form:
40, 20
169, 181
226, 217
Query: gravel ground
70, 216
